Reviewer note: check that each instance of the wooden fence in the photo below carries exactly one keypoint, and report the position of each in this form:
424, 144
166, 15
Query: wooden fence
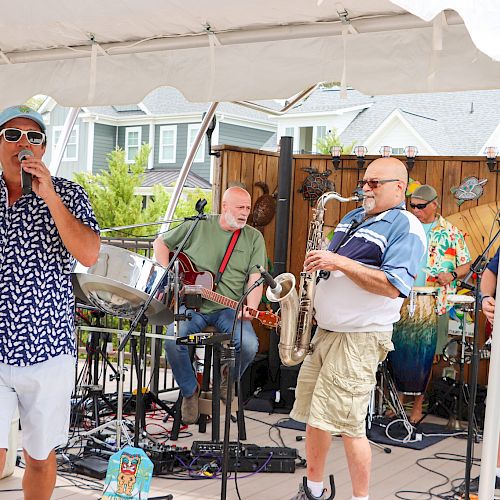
476, 218
238, 165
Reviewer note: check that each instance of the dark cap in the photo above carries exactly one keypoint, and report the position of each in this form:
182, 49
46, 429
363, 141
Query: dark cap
425, 192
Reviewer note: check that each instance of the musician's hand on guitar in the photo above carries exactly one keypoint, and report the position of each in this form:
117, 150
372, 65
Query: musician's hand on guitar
245, 314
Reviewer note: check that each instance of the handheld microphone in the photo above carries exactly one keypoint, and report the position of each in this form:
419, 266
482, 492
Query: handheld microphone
275, 287
25, 177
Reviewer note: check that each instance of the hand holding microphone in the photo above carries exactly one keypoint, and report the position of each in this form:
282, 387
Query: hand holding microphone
26, 178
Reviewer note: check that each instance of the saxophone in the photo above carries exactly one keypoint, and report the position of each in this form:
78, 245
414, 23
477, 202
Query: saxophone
296, 310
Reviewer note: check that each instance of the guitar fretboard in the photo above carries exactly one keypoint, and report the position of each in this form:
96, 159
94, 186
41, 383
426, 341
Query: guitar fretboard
225, 301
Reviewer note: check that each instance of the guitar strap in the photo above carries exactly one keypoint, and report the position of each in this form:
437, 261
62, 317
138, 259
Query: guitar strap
227, 256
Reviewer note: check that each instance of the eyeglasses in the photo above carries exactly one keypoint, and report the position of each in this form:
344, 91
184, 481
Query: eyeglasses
374, 183
420, 206
14, 135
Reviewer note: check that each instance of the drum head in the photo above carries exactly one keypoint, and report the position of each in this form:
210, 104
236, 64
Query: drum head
460, 299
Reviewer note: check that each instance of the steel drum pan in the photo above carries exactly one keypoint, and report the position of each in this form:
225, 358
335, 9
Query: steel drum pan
120, 282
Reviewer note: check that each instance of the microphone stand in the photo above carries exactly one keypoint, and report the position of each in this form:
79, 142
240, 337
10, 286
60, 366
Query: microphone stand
228, 354
200, 205
477, 267
141, 318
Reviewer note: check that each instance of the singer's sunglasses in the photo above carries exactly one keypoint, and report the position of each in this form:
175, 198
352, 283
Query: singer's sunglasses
374, 183
14, 135
420, 206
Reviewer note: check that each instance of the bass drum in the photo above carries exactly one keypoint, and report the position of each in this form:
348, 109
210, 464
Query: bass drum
414, 339
120, 283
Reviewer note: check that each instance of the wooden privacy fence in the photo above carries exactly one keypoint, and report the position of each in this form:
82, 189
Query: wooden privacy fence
476, 218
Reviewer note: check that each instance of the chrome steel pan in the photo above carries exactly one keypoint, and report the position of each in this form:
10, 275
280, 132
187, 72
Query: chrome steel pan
120, 282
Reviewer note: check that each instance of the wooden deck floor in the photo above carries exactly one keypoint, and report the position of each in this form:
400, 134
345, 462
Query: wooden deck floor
390, 472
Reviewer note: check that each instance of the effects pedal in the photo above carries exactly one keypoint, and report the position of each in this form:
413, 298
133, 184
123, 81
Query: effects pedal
247, 457
166, 457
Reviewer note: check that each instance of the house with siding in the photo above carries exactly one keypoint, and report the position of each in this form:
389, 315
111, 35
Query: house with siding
164, 120
445, 123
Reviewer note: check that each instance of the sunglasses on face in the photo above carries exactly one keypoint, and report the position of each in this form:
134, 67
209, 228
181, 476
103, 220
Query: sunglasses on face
420, 206
14, 135
374, 183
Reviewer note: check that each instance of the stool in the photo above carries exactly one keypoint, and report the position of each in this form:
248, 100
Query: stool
209, 401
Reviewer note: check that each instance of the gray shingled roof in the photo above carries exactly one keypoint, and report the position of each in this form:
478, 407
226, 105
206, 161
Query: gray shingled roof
169, 101
453, 123
322, 100
169, 177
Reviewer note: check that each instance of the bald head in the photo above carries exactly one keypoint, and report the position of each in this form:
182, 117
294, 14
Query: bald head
235, 192
391, 189
388, 168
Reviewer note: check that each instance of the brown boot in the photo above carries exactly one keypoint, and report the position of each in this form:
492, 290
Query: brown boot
189, 407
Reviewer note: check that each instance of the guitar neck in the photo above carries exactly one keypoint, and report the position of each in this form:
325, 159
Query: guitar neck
225, 301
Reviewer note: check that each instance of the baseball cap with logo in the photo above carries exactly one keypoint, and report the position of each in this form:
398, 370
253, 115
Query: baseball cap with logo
21, 111
425, 192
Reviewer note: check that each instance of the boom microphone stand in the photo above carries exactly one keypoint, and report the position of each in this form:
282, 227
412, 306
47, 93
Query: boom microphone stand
228, 355
477, 267
142, 318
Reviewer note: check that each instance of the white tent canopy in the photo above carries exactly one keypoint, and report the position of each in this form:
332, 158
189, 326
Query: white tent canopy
117, 51
97, 52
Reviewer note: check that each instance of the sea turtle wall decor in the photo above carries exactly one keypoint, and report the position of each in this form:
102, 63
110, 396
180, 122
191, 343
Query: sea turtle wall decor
471, 188
315, 184
264, 207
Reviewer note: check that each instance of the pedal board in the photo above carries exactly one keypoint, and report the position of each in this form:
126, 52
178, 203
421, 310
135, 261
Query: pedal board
250, 457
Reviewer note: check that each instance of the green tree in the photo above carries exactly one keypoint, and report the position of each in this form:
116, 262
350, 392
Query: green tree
113, 198
325, 144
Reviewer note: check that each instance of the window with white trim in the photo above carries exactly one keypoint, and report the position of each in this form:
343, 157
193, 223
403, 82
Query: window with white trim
71, 150
132, 143
320, 132
192, 131
168, 143
289, 132
398, 151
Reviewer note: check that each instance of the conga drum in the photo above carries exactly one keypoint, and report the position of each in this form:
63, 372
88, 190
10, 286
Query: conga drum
414, 339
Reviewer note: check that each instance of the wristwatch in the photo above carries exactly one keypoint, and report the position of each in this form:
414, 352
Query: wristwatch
454, 274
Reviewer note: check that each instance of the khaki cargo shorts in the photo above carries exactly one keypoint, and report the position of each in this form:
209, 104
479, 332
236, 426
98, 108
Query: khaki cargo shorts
336, 380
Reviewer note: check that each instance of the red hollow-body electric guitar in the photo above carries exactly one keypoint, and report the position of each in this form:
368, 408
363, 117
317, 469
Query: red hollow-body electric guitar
202, 282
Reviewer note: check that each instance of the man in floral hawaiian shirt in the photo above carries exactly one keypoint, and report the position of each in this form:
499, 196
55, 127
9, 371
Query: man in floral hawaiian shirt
447, 260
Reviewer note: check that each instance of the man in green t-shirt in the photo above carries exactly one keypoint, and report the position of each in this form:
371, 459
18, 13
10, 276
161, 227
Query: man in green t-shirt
206, 248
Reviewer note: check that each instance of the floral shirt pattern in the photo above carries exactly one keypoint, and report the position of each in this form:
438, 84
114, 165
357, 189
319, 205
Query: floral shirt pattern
446, 251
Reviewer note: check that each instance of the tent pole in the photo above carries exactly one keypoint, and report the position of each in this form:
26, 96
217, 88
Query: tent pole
176, 194
492, 416
55, 162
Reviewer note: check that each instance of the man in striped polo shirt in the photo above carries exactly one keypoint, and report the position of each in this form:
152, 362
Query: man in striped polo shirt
378, 248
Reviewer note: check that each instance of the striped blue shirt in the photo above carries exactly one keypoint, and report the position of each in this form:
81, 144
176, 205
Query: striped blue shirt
393, 242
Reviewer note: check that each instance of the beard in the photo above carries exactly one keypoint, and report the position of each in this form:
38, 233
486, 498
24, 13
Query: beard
369, 204
232, 222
